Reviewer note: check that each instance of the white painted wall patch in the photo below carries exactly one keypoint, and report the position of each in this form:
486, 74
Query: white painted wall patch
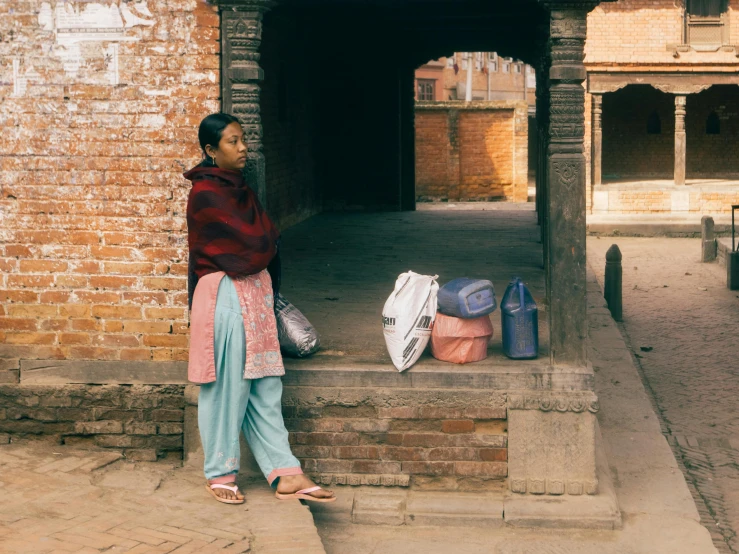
76, 21
111, 63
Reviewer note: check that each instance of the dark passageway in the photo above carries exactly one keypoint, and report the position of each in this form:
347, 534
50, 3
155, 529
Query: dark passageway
337, 99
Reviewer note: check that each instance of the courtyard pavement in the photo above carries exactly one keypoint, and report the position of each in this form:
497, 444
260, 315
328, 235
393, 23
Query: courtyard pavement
682, 325
56, 499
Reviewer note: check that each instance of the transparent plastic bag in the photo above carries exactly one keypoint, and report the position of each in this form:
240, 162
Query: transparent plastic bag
298, 338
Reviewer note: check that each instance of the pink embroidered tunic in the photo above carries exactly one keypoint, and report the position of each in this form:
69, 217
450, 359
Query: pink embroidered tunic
263, 358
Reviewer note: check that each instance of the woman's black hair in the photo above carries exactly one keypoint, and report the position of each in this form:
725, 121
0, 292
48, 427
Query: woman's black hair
211, 129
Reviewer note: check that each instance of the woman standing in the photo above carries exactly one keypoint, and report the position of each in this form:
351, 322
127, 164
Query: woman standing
234, 351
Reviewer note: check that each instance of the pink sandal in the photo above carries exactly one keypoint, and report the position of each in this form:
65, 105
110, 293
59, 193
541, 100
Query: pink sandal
304, 495
233, 489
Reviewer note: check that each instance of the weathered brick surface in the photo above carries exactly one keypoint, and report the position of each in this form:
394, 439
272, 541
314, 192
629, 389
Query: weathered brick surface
92, 231
638, 32
502, 84
337, 442
142, 422
476, 152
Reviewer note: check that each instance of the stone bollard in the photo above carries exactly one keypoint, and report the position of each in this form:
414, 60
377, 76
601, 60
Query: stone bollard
708, 240
614, 277
732, 260
732, 270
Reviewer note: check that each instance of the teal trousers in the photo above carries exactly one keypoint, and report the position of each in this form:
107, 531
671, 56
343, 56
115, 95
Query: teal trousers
233, 404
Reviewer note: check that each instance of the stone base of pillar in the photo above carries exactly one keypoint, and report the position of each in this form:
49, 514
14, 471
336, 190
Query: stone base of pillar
551, 443
596, 511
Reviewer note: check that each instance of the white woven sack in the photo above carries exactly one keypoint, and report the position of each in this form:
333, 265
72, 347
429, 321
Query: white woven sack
408, 317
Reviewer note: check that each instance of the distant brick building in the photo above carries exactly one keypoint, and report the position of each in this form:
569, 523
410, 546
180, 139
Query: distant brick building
662, 105
494, 78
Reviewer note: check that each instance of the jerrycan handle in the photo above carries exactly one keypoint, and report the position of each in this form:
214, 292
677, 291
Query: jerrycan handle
521, 304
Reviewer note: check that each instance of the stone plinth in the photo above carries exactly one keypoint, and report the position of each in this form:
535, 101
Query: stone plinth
551, 443
435, 427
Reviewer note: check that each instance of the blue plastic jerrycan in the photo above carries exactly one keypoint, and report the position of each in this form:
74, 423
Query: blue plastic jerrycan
519, 322
467, 298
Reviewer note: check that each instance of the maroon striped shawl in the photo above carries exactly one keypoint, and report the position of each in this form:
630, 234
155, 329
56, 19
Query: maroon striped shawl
227, 229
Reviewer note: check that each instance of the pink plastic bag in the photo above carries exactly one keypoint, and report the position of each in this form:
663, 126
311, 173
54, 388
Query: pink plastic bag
460, 341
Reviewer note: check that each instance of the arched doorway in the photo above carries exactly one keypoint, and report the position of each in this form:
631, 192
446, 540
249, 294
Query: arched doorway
638, 135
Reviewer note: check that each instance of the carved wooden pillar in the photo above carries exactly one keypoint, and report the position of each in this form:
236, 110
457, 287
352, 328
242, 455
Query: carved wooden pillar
680, 139
542, 121
542, 181
597, 143
542, 117
241, 37
566, 176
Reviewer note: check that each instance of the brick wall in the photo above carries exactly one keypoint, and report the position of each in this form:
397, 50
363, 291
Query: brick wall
475, 152
502, 85
639, 31
437, 155
143, 422
448, 439
93, 242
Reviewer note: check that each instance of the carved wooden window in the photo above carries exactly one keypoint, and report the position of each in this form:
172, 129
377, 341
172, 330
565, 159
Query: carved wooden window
426, 89
706, 23
654, 124
713, 124
706, 8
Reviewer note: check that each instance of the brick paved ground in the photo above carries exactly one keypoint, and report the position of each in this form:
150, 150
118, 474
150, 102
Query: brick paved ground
59, 500
682, 313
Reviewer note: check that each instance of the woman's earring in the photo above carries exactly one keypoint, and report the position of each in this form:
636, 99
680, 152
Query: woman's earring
213, 160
